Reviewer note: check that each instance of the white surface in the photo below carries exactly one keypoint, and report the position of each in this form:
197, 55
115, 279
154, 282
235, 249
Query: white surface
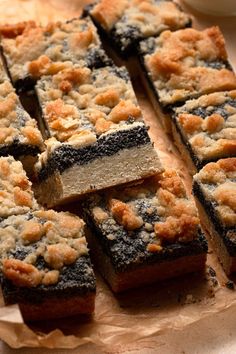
213, 335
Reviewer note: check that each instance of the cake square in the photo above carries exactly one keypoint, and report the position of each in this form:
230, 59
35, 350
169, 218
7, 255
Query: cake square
214, 188
145, 232
185, 64
31, 50
16, 196
45, 266
205, 128
97, 133
124, 23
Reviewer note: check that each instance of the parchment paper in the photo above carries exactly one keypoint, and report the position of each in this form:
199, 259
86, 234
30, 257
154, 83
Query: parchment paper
140, 313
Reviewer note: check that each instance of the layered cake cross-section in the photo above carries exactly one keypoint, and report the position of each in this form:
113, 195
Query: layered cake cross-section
16, 196
205, 128
145, 232
32, 50
124, 23
214, 188
177, 66
97, 134
45, 266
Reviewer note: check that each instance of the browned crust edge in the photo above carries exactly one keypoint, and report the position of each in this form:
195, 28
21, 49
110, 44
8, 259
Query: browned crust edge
228, 262
59, 307
164, 118
183, 150
144, 275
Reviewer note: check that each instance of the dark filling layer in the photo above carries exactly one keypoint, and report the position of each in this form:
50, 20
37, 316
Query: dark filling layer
227, 234
220, 109
166, 109
126, 43
128, 250
66, 156
18, 149
73, 280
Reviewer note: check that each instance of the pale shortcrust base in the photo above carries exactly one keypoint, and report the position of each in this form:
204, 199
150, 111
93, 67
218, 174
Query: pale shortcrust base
228, 262
125, 166
165, 119
183, 151
58, 307
143, 274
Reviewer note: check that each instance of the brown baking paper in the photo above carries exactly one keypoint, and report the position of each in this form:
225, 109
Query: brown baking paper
140, 313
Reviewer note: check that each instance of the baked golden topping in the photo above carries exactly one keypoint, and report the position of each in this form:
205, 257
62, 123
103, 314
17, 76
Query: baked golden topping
146, 18
16, 196
79, 103
15, 123
34, 51
16, 29
21, 274
107, 12
208, 124
125, 215
183, 228
156, 210
57, 238
187, 63
217, 180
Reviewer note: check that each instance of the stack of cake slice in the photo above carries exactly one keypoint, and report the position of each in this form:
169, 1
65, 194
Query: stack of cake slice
86, 107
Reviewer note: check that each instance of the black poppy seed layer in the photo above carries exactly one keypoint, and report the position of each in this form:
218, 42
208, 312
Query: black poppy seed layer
126, 43
66, 156
219, 109
227, 234
128, 249
17, 149
73, 280
25, 84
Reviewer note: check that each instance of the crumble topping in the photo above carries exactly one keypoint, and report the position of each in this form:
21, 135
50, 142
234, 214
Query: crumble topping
107, 13
209, 124
154, 212
134, 20
15, 123
217, 180
125, 215
16, 196
56, 237
79, 102
37, 50
21, 274
187, 63
15, 29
